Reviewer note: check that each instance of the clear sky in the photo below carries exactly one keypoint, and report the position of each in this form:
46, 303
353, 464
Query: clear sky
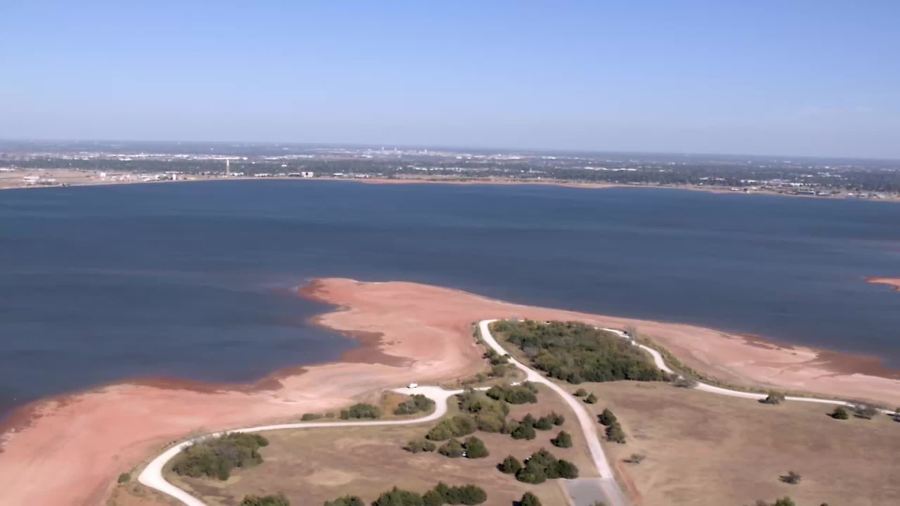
758, 77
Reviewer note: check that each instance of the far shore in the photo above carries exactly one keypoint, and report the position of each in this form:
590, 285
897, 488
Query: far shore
71, 178
891, 282
77, 444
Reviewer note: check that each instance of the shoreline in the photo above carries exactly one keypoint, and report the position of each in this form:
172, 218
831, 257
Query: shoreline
889, 282
406, 332
575, 184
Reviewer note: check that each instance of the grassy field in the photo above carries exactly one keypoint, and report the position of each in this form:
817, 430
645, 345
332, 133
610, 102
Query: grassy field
704, 449
311, 466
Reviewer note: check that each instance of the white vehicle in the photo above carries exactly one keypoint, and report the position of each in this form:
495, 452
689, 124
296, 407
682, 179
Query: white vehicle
412, 385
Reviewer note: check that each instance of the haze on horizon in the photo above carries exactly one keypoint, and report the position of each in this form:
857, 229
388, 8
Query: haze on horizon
816, 78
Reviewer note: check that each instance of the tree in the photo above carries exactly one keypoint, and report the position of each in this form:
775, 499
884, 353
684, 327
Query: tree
557, 418
566, 469
475, 448
607, 417
523, 431
419, 445
510, 465
268, 500
415, 404
615, 433
591, 398
398, 497
359, 411
580, 392
347, 500
562, 440
456, 426
840, 413
432, 498
529, 499
543, 423
784, 501
452, 449
124, 478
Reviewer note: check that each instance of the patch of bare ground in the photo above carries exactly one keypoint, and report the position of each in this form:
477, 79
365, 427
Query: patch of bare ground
704, 449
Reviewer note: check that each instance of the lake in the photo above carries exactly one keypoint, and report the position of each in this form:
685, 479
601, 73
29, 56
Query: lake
197, 280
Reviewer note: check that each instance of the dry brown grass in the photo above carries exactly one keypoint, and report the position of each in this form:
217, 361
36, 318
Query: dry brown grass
704, 449
311, 466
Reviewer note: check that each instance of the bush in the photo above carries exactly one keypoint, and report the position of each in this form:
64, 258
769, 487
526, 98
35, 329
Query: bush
576, 352
419, 445
398, 497
840, 413
216, 457
514, 394
864, 411
566, 470
615, 433
557, 418
415, 404
529, 499
347, 500
452, 448
307, 417
432, 498
475, 448
510, 465
360, 411
791, 477
635, 458
544, 423
607, 417
591, 398
562, 440
580, 392
523, 431
268, 500
456, 426
773, 398
124, 478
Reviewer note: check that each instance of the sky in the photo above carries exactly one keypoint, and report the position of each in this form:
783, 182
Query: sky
818, 78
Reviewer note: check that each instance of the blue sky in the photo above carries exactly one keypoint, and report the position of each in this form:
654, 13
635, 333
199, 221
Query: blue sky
756, 77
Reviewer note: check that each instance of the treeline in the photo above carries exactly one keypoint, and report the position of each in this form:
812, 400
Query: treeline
438, 496
576, 352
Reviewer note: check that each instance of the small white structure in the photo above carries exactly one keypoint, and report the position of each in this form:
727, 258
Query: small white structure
412, 385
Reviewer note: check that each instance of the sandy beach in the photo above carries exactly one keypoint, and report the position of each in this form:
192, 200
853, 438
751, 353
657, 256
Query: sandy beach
892, 282
77, 444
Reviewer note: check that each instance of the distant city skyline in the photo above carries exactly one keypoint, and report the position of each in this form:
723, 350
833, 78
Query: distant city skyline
765, 78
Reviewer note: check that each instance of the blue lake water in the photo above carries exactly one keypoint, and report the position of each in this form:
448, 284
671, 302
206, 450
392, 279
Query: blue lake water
194, 280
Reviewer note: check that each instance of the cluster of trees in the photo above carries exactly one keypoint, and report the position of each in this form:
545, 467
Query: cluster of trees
614, 430
489, 414
576, 352
472, 448
588, 398
525, 428
538, 468
360, 410
784, 501
499, 363
415, 404
216, 457
863, 411
523, 393
438, 496
266, 500
455, 426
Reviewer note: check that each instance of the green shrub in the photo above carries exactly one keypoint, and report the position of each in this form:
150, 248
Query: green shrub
310, 416
452, 449
419, 445
840, 413
544, 423
475, 448
347, 500
591, 398
566, 470
360, 411
615, 433
773, 398
607, 417
456, 426
398, 497
217, 456
490, 414
268, 500
580, 392
523, 431
529, 499
510, 465
562, 440
464, 494
417, 403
